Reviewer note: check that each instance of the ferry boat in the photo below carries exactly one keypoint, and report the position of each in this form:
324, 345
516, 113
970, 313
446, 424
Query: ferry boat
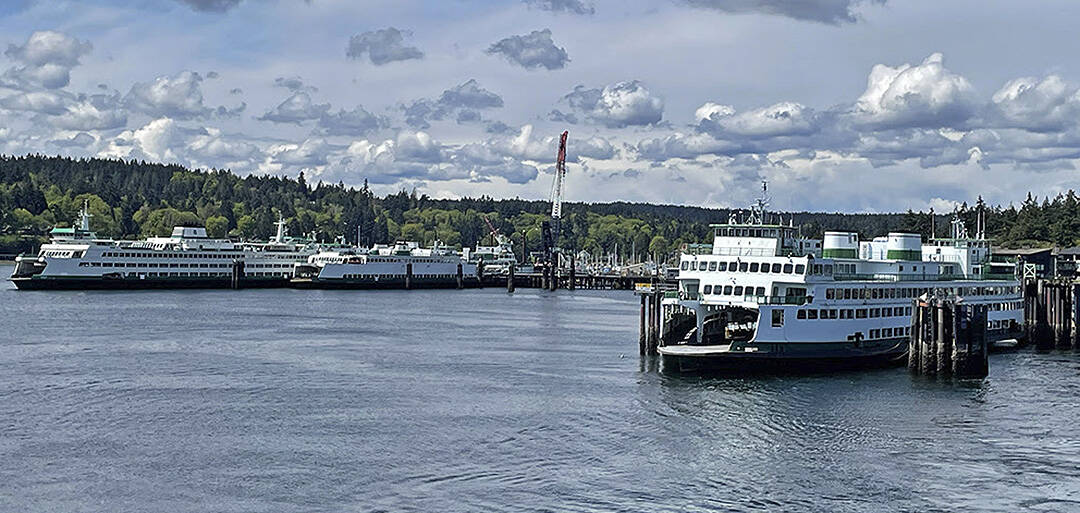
76, 258
496, 259
764, 296
405, 265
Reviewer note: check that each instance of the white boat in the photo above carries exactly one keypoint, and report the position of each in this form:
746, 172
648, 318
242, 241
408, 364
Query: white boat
496, 259
403, 265
764, 295
76, 258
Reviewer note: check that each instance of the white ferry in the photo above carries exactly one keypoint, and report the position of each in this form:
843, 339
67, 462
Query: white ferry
76, 258
404, 265
496, 259
764, 295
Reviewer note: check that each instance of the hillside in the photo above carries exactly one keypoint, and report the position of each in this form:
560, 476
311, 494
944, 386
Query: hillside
130, 199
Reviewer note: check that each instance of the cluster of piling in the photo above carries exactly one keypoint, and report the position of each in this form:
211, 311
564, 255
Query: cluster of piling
948, 338
649, 319
1049, 310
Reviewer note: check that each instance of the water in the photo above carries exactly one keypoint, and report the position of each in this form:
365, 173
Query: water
430, 401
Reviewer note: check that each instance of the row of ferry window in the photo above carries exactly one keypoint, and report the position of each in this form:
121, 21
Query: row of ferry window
110, 254
370, 276
742, 267
733, 290
852, 313
890, 332
913, 292
207, 274
176, 266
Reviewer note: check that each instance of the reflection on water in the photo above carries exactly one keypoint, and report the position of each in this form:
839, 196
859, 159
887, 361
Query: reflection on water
280, 400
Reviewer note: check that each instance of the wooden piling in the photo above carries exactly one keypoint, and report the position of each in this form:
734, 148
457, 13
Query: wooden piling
570, 285
642, 347
408, 276
950, 337
510, 280
915, 341
460, 277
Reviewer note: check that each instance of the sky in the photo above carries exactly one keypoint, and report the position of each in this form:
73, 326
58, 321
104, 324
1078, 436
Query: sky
841, 105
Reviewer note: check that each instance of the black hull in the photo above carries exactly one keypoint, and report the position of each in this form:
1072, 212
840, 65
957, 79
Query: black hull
745, 364
135, 284
386, 284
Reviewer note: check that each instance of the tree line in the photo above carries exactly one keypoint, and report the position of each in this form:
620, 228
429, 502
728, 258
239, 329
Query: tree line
134, 199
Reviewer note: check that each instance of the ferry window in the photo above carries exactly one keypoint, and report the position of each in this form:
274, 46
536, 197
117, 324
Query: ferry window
907, 310
901, 268
898, 311
829, 294
738, 290
712, 266
764, 268
684, 265
811, 314
875, 312
743, 266
860, 313
828, 269
788, 268
847, 293
800, 268
849, 314
721, 266
754, 267
832, 314
776, 268
708, 289
727, 290
760, 291
824, 314
887, 332
734, 266
801, 314
777, 318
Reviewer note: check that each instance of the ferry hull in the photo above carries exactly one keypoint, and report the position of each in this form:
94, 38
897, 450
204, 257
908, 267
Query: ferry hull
417, 282
42, 283
807, 357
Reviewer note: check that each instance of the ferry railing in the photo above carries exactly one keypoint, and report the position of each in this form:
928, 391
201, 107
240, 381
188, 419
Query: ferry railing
777, 300
897, 277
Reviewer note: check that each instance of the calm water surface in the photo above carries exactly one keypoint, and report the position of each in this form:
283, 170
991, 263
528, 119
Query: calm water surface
297, 401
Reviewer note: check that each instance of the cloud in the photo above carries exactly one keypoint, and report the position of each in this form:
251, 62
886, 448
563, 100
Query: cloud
531, 51
567, 6
45, 60
166, 140
823, 11
294, 84
79, 140
923, 95
218, 6
94, 112
463, 102
177, 97
356, 122
382, 46
310, 153
1044, 105
618, 105
296, 109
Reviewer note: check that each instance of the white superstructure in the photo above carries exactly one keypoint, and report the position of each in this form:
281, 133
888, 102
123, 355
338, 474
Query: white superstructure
405, 264
762, 291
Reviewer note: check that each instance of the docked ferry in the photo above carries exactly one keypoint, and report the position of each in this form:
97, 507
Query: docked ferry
404, 265
76, 258
761, 294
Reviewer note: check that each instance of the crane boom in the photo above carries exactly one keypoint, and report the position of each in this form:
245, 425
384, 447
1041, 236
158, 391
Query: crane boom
557, 187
